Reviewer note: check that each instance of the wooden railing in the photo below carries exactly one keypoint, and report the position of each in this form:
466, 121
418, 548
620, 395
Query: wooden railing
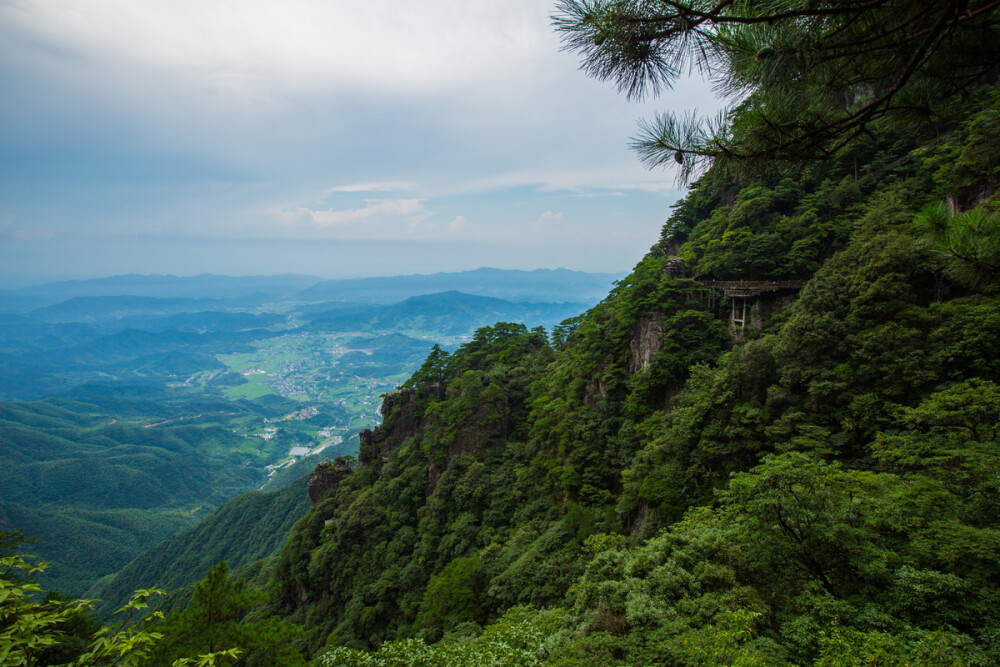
748, 288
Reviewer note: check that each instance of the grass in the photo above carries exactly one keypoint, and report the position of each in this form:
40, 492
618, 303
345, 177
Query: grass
249, 391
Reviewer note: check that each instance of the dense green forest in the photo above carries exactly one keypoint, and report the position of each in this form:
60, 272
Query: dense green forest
653, 482
246, 531
99, 478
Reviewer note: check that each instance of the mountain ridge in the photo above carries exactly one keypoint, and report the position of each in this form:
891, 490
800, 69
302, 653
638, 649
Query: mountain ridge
509, 284
451, 312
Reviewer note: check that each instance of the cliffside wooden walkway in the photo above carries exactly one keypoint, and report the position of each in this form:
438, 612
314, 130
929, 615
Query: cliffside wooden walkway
749, 288
746, 290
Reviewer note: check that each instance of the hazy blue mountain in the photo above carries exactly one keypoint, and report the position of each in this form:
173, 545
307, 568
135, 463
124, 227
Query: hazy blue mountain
124, 346
540, 285
312, 309
24, 378
18, 332
451, 313
31, 371
163, 286
94, 308
202, 322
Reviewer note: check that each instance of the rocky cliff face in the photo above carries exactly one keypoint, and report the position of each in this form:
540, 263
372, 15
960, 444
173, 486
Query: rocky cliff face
325, 477
401, 417
646, 340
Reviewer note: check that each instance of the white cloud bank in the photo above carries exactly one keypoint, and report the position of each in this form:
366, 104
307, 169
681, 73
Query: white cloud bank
548, 218
460, 222
252, 49
376, 210
370, 187
317, 119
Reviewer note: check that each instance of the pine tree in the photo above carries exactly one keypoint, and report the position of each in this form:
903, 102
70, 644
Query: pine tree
805, 78
215, 621
434, 370
968, 243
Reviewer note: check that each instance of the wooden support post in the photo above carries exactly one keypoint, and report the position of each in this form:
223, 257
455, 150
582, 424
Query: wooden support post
739, 322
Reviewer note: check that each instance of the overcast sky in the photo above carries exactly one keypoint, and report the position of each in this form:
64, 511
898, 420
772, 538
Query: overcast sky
328, 137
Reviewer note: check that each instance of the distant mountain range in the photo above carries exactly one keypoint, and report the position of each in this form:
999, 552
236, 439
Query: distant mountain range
204, 286
540, 285
95, 308
452, 313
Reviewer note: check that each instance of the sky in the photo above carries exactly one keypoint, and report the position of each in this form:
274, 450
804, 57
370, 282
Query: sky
326, 137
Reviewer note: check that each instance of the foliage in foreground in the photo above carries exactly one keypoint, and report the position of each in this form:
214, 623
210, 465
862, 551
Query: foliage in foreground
217, 619
36, 633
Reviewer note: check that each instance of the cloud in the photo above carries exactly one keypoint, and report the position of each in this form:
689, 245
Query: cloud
301, 44
376, 209
548, 218
593, 180
371, 187
594, 195
460, 222
312, 121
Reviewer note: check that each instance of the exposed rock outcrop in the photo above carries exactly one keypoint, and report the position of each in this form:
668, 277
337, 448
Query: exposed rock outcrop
672, 247
488, 423
401, 418
370, 446
675, 267
646, 340
326, 476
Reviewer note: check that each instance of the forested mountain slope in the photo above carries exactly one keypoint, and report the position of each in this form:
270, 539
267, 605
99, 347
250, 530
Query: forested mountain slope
102, 476
249, 528
822, 488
